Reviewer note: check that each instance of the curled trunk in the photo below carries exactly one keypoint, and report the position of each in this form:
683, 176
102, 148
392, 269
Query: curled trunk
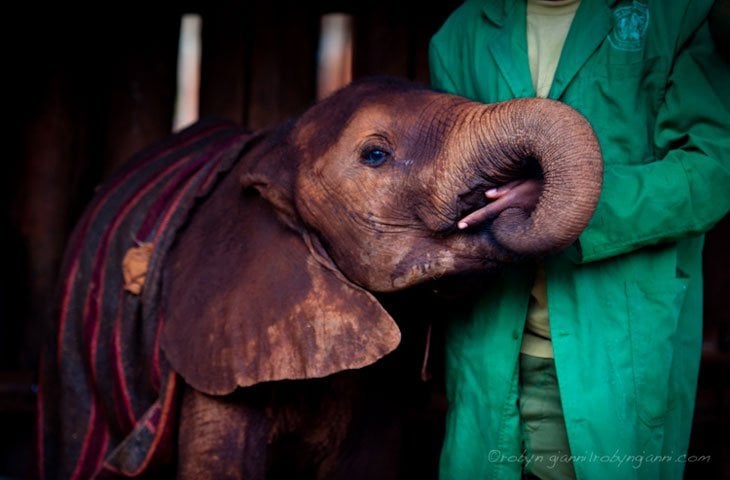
527, 133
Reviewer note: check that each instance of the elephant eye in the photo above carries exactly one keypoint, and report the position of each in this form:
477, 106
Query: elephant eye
374, 156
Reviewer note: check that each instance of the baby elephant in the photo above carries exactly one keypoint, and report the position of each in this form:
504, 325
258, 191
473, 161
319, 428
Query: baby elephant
219, 314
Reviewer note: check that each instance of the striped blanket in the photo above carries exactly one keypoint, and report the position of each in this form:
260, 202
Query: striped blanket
107, 397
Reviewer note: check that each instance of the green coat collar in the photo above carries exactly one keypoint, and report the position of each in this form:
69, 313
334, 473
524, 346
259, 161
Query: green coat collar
590, 28
497, 10
509, 48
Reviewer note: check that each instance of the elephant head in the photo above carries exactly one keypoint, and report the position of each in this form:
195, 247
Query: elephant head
271, 278
386, 188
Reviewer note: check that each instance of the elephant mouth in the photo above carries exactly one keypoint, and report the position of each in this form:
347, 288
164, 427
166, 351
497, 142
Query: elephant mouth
445, 224
474, 197
471, 201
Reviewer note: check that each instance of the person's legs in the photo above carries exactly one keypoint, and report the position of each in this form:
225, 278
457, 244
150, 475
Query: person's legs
544, 438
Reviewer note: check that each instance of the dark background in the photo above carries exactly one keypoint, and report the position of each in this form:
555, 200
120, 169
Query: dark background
89, 86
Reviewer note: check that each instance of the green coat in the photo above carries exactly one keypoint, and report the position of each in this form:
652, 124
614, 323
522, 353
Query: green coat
625, 303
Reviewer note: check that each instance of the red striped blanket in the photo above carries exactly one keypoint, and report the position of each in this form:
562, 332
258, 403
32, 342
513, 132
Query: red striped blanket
107, 397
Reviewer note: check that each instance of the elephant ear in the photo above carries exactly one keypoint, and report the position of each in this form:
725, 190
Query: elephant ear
250, 297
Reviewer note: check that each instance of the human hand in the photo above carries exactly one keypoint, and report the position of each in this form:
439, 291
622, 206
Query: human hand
519, 193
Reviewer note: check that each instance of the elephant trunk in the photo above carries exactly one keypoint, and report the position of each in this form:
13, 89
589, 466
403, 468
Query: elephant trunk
528, 133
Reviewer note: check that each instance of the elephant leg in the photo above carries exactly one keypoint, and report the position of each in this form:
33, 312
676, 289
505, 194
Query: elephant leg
283, 431
221, 439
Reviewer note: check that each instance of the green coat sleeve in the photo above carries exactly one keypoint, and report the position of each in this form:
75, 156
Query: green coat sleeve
685, 189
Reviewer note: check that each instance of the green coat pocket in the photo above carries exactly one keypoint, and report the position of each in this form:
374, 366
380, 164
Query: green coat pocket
653, 311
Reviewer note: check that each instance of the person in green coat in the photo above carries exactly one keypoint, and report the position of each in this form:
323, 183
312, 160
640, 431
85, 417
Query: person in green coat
586, 365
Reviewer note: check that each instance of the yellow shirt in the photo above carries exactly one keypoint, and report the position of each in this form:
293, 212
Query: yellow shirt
548, 23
